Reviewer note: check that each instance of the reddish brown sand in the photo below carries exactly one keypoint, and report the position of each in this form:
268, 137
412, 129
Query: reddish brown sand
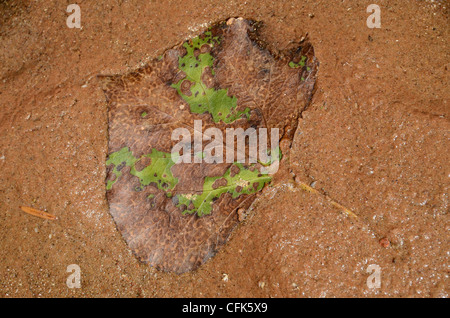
375, 139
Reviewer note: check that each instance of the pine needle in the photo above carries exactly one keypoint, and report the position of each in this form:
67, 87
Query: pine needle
38, 213
309, 189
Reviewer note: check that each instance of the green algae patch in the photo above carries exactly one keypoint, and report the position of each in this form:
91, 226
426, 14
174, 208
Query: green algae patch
301, 63
201, 98
157, 172
245, 181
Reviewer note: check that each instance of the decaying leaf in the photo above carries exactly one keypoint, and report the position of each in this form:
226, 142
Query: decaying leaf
175, 216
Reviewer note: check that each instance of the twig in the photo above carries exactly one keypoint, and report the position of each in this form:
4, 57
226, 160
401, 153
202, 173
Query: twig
38, 213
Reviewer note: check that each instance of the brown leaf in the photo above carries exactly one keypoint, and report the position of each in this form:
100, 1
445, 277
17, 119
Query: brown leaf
168, 214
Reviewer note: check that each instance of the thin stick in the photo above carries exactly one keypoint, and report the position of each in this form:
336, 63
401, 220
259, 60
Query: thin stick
309, 189
38, 213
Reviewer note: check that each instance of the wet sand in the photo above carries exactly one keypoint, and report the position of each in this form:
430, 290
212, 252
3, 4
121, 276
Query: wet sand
374, 138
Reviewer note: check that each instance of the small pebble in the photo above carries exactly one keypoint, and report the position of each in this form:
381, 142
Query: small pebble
225, 277
384, 242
